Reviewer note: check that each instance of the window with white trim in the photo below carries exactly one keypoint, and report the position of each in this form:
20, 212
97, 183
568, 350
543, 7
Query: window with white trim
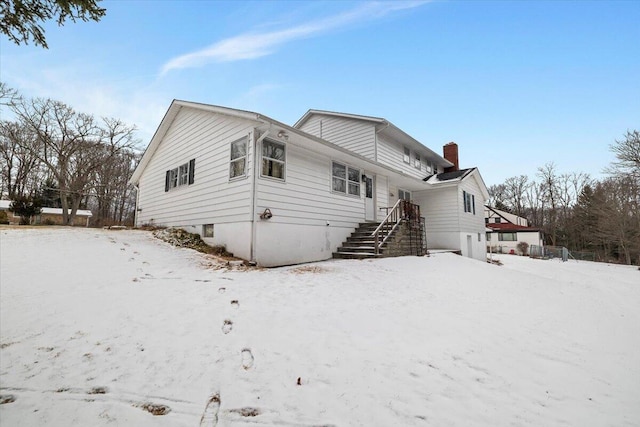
507, 237
182, 175
238, 159
345, 179
273, 159
416, 161
407, 155
469, 201
404, 195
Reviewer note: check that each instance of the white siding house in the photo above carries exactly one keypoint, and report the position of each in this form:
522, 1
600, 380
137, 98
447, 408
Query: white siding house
506, 230
277, 195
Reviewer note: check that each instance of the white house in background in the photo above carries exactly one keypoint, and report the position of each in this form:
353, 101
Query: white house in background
506, 230
47, 216
277, 195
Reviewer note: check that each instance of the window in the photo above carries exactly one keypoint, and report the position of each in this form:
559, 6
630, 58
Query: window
469, 201
497, 220
207, 230
238, 163
429, 166
273, 159
182, 175
407, 155
345, 179
416, 161
486, 220
403, 194
479, 238
507, 237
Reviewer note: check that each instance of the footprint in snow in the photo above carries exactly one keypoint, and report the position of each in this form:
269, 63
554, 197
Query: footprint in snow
210, 415
221, 290
227, 326
235, 303
247, 359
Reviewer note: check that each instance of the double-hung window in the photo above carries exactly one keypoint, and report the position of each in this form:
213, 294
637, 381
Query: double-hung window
273, 159
182, 175
469, 201
238, 161
416, 161
404, 194
345, 179
406, 157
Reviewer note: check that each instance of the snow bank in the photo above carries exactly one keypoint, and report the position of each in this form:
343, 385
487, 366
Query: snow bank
100, 327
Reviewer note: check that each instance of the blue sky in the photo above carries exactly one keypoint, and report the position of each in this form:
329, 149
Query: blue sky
515, 84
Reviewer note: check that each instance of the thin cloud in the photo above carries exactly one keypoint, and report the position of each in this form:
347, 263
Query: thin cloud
256, 45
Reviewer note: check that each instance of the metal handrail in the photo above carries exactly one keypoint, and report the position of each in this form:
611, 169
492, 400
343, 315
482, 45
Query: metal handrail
391, 216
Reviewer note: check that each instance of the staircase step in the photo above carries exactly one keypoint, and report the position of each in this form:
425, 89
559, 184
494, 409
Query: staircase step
355, 255
361, 249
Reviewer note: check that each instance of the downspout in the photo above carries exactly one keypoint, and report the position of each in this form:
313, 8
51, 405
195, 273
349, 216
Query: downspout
135, 212
254, 193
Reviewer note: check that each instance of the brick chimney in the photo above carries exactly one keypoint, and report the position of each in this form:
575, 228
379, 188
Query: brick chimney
451, 153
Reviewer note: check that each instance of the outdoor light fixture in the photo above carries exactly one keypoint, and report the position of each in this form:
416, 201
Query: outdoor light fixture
283, 134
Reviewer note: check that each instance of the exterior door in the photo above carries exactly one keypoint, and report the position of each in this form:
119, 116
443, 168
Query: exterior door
369, 209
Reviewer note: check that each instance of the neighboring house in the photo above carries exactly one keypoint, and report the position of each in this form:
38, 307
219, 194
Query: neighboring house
276, 194
48, 216
506, 230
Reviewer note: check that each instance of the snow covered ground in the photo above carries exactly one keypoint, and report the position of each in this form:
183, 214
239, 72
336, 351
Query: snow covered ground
98, 327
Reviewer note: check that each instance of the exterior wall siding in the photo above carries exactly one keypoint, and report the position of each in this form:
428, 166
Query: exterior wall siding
309, 220
355, 135
212, 198
391, 153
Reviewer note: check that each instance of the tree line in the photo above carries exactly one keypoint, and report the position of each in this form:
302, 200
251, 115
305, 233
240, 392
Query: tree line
54, 156
579, 212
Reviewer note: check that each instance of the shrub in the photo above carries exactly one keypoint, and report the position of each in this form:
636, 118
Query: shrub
523, 247
4, 219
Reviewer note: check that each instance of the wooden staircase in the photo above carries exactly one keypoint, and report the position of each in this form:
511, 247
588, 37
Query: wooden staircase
401, 233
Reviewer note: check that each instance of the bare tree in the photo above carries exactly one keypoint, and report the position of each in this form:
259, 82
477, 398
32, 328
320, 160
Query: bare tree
73, 146
20, 167
627, 153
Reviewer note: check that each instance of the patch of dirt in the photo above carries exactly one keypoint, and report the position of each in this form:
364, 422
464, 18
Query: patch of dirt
183, 239
247, 412
309, 269
7, 398
7, 344
156, 409
98, 390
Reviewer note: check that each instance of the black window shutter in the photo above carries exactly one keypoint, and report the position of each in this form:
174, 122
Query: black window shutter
192, 168
166, 181
473, 200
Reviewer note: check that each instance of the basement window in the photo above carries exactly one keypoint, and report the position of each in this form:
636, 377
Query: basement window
207, 230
